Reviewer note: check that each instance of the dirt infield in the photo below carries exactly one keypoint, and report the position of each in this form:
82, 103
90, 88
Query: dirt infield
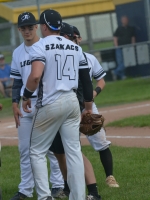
129, 136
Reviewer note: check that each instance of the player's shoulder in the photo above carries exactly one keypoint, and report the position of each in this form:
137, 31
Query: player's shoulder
90, 56
18, 49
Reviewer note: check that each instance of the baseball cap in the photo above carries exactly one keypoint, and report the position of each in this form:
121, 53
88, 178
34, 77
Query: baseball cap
51, 18
1, 56
26, 19
66, 30
76, 31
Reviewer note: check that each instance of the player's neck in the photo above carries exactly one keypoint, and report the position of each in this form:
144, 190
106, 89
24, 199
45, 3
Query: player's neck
31, 42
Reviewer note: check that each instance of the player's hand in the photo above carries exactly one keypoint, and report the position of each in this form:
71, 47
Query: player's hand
17, 114
26, 105
94, 94
85, 112
1, 107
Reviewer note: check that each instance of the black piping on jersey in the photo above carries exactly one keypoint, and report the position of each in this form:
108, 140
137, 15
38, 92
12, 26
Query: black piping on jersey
99, 74
83, 62
39, 59
15, 73
40, 93
34, 118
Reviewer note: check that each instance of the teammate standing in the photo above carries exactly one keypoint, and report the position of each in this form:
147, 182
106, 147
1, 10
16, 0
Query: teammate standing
20, 70
98, 141
58, 149
56, 63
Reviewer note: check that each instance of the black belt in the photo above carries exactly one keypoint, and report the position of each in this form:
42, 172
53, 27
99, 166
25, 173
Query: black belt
34, 96
75, 90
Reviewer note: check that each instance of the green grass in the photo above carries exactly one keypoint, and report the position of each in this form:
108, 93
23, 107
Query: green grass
98, 45
131, 169
7, 107
118, 92
137, 121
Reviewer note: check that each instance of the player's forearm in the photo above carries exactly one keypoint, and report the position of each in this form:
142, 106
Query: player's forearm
99, 87
32, 83
133, 40
115, 41
34, 77
100, 83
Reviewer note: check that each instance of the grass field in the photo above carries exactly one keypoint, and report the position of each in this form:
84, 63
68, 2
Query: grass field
118, 92
137, 121
131, 169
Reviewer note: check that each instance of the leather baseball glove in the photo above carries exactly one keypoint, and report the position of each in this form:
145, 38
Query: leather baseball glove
91, 124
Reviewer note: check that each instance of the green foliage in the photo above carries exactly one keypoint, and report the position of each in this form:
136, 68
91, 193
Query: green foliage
119, 92
131, 169
7, 107
137, 121
98, 45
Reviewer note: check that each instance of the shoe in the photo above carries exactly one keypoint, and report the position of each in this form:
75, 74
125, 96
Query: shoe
91, 197
19, 196
49, 198
58, 193
111, 181
114, 76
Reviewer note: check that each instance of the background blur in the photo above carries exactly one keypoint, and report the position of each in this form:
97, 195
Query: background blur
97, 20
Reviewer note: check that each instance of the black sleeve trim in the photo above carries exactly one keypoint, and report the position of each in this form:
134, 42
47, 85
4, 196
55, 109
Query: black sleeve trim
38, 59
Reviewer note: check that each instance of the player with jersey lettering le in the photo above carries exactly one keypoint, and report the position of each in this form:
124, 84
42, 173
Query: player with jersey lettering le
57, 63
20, 70
98, 141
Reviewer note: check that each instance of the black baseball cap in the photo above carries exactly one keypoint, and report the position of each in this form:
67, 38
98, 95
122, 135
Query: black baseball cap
52, 19
76, 31
26, 19
66, 30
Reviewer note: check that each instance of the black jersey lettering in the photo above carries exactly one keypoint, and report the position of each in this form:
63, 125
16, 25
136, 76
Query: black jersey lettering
24, 63
47, 47
57, 46
76, 48
67, 47
61, 46
72, 47
52, 46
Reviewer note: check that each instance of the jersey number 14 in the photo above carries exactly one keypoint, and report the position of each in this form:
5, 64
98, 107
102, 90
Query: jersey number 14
67, 69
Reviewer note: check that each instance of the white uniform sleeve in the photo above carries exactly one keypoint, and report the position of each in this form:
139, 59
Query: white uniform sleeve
37, 53
83, 63
97, 70
14, 72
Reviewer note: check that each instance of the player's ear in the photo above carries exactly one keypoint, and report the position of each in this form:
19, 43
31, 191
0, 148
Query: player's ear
36, 26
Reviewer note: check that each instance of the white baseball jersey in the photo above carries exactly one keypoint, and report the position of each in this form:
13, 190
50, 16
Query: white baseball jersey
62, 59
95, 69
21, 65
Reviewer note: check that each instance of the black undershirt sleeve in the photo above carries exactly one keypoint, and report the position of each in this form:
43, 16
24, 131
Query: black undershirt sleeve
86, 84
16, 88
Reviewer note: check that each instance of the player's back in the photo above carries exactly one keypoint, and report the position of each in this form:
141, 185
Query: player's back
61, 58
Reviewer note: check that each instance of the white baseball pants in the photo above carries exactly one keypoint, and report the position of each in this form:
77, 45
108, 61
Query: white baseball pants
62, 115
98, 141
24, 133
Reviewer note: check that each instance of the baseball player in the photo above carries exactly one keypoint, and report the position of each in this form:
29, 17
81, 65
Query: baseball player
56, 65
20, 70
57, 146
98, 141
